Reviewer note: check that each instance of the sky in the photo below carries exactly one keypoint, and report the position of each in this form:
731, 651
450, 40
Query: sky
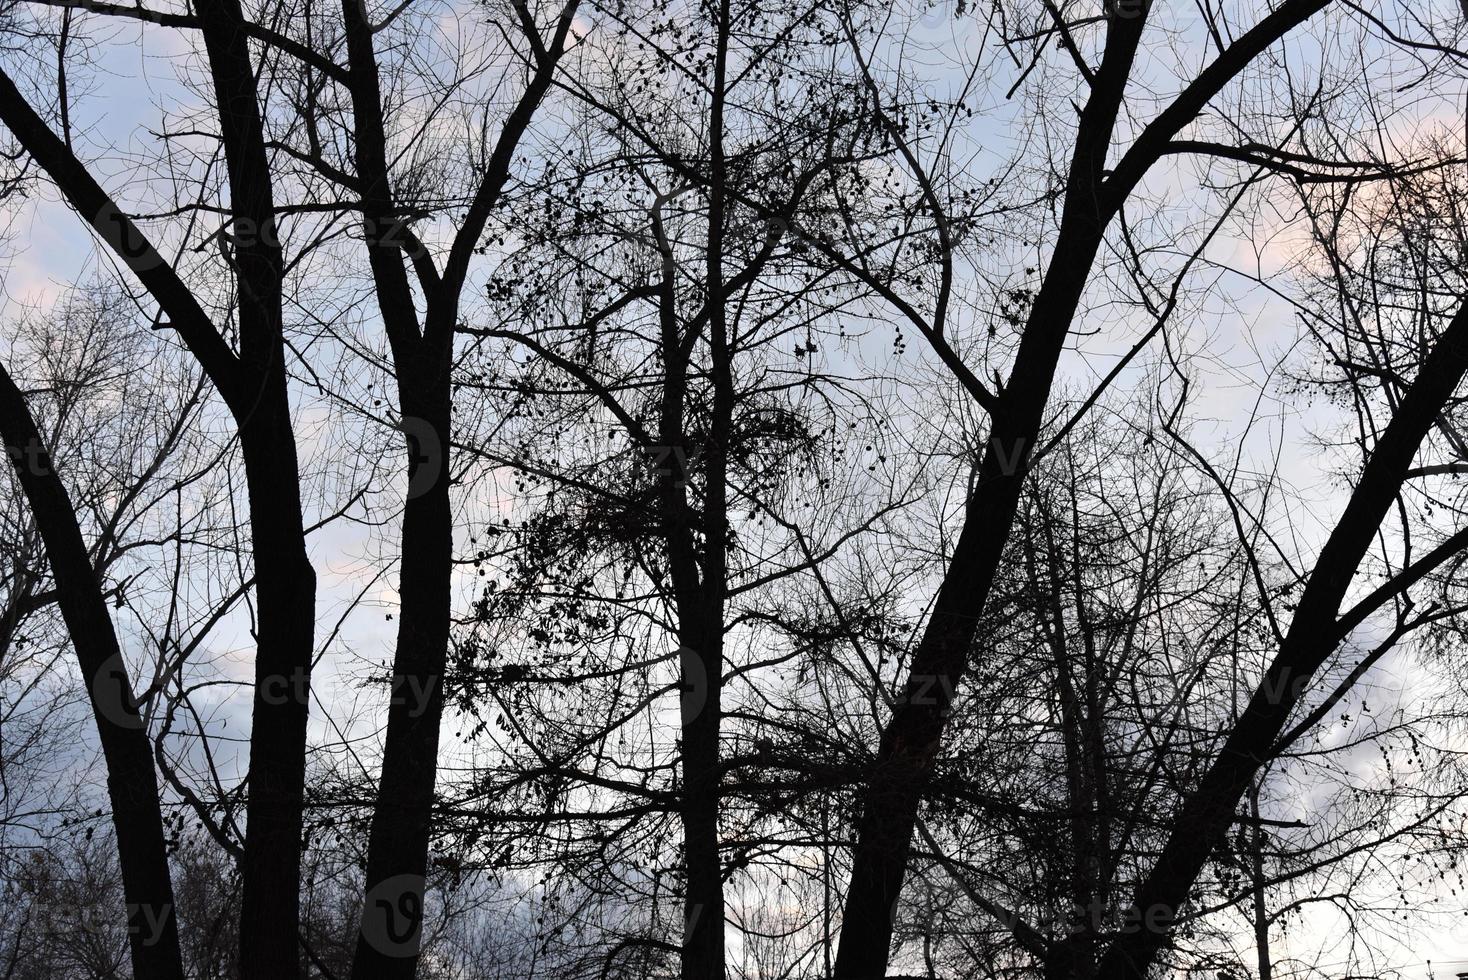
47, 248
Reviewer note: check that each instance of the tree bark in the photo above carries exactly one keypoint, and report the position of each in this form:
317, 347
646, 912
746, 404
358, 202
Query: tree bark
253, 385
285, 582
1206, 814
132, 785
1256, 874
397, 855
703, 925
913, 735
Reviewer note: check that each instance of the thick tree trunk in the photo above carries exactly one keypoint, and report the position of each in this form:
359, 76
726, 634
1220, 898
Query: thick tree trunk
253, 384
913, 735
285, 588
702, 656
132, 784
703, 912
1206, 814
390, 930
397, 854
285, 592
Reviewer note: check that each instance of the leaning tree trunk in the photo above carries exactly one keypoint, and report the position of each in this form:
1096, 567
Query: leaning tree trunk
1206, 813
132, 786
913, 735
253, 385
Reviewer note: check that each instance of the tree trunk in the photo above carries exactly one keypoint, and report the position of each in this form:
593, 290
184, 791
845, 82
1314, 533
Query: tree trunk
132, 784
703, 912
253, 384
397, 853
285, 586
1313, 634
1256, 873
702, 660
913, 735
285, 589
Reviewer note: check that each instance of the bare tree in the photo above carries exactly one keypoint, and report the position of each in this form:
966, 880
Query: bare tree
80, 361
